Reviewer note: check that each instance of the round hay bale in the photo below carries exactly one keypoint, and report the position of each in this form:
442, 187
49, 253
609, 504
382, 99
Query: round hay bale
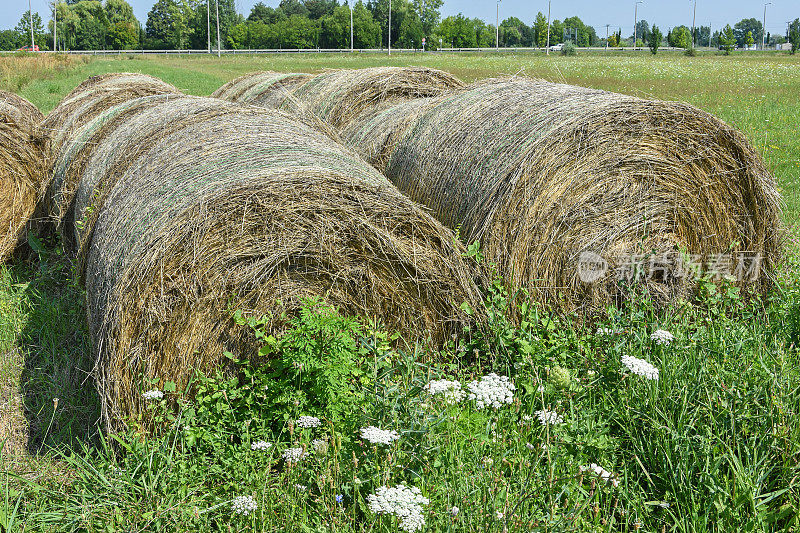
577, 193
23, 168
255, 211
94, 96
339, 96
264, 89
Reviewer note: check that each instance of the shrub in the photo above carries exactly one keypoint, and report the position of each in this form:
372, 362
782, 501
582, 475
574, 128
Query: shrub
568, 50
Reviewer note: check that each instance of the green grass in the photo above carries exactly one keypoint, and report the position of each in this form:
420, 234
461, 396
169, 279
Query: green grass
717, 437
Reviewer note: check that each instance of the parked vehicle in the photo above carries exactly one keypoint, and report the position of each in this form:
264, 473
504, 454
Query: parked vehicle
557, 47
34, 48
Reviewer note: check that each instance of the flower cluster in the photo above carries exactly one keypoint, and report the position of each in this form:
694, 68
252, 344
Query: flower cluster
244, 505
293, 455
602, 473
154, 394
663, 337
491, 390
640, 367
379, 436
548, 417
403, 502
308, 422
261, 445
320, 446
449, 390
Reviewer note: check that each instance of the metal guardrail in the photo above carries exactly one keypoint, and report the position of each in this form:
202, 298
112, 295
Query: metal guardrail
344, 50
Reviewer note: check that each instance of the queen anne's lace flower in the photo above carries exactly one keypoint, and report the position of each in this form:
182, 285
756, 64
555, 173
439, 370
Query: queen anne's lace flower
320, 446
640, 367
261, 445
449, 390
491, 390
548, 417
154, 394
379, 436
602, 473
403, 502
293, 455
308, 422
243, 505
661, 336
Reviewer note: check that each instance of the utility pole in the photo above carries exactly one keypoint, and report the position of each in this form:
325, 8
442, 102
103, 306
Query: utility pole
30, 16
694, 17
219, 50
55, 25
710, 33
547, 48
635, 20
497, 27
607, 25
390, 27
351, 25
208, 21
764, 29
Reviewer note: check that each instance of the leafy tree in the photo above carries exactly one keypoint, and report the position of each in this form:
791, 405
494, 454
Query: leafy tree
655, 39
643, 31
514, 32
794, 35
320, 8
556, 32
266, 14
123, 30
680, 37
429, 14
727, 39
751, 25
23, 31
540, 30
10, 40
168, 24
613, 40
293, 7
748, 39
458, 31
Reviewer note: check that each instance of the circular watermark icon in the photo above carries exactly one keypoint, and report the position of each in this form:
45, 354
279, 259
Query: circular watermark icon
591, 267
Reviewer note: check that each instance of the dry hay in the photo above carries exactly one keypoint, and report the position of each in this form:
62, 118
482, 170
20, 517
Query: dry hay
339, 96
541, 173
23, 168
264, 89
254, 211
95, 95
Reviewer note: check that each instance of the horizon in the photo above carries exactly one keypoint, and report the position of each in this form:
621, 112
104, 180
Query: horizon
618, 15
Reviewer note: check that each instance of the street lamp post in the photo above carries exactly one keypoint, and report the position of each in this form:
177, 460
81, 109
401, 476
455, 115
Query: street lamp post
635, 21
55, 26
390, 27
30, 16
219, 48
351, 25
547, 47
607, 25
764, 29
497, 27
208, 22
694, 17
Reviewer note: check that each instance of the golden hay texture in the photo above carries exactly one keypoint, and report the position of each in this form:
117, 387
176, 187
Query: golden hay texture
95, 95
254, 211
545, 175
23, 168
339, 96
264, 89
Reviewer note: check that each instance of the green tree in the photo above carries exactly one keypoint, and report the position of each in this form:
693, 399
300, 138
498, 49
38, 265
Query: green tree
429, 14
680, 37
655, 39
556, 32
643, 31
123, 30
168, 24
727, 39
458, 31
748, 39
23, 31
540, 30
320, 8
794, 35
751, 25
514, 32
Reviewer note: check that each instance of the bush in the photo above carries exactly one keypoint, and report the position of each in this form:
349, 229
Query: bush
690, 52
568, 50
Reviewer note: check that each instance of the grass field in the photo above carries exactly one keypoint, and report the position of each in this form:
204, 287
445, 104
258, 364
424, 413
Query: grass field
713, 445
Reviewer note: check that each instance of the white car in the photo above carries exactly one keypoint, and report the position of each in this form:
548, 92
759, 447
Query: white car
557, 47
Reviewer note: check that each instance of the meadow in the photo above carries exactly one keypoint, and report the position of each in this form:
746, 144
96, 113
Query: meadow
705, 437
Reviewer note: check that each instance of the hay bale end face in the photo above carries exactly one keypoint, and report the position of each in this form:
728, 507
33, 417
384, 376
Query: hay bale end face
339, 96
23, 168
546, 175
254, 211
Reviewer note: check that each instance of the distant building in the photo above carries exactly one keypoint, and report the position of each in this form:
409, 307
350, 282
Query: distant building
751, 47
783, 46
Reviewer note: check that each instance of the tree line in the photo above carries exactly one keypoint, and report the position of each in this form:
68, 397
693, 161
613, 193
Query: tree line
295, 24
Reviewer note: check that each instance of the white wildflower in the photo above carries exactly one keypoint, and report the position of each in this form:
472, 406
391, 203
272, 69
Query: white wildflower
308, 422
154, 394
449, 390
320, 446
499, 515
640, 367
300, 487
293, 455
379, 436
548, 417
454, 510
261, 445
602, 473
661, 336
243, 505
540, 389
403, 502
491, 390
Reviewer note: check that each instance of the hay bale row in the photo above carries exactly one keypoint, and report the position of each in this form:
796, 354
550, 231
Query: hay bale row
541, 173
23, 168
264, 89
199, 206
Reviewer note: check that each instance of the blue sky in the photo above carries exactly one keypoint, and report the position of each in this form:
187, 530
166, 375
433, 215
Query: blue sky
596, 13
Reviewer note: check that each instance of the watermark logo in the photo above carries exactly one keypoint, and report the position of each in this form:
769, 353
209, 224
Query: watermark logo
591, 267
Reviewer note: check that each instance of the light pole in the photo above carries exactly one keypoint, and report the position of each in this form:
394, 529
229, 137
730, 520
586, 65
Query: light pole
219, 50
764, 29
390, 27
607, 25
55, 26
497, 27
208, 21
30, 16
694, 16
635, 21
547, 48
351, 25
